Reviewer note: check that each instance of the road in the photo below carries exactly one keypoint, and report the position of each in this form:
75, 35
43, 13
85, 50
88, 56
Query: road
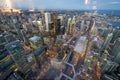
73, 65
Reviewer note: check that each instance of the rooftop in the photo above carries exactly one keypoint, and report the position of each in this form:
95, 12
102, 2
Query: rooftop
35, 38
80, 44
112, 63
39, 51
12, 44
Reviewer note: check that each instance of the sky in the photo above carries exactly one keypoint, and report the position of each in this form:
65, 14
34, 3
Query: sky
66, 4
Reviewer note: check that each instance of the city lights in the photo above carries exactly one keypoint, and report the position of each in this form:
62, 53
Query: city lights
63, 40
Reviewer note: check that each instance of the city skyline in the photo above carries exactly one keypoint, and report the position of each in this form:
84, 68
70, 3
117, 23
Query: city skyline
64, 4
59, 40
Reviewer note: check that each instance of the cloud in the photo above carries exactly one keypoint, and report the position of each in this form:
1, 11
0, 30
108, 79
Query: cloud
115, 3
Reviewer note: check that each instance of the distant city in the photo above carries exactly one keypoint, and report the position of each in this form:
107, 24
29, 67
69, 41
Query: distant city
59, 44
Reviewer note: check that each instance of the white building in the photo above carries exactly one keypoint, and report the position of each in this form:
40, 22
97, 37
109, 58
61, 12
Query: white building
40, 25
61, 18
81, 43
47, 20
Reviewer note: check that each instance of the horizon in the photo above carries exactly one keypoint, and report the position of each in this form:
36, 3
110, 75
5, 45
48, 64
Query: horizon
62, 4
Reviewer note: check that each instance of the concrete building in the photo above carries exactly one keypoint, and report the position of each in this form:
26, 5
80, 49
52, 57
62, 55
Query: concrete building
61, 19
116, 34
109, 77
72, 25
10, 75
109, 66
58, 27
106, 31
116, 48
107, 41
47, 20
22, 58
40, 25
36, 42
54, 20
40, 56
117, 58
6, 62
80, 45
68, 25
82, 25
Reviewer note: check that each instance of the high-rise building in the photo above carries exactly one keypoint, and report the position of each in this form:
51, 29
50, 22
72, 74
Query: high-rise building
6, 62
47, 20
73, 20
58, 27
2, 39
54, 19
36, 42
95, 31
116, 48
17, 28
42, 16
116, 51
116, 34
62, 30
40, 25
72, 25
107, 41
106, 31
117, 58
9, 38
109, 67
23, 59
61, 19
51, 26
11, 75
109, 77
68, 25
82, 25
40, 56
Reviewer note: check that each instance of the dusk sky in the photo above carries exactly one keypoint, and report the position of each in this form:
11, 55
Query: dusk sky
67, 4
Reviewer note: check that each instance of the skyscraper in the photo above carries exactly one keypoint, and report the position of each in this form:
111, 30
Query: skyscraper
61, 19
106, 31
51, 27
82, 25
116, 51
58, 27
109, 66
47, 20
68, 25
116, 34
22, 58
10, 75
116, 48
9, 38
109, 77
117, 58
40, 25
6, 62
72, 25
40, 56
54, 19
107, 41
